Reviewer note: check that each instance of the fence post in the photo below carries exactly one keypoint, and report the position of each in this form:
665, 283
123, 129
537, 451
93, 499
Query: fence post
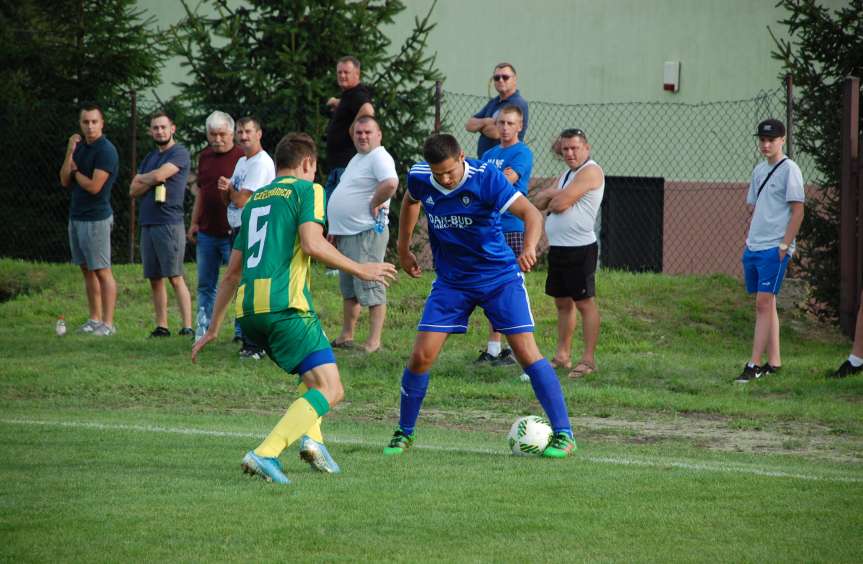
133, 131
438, 96
789, 115
849, 200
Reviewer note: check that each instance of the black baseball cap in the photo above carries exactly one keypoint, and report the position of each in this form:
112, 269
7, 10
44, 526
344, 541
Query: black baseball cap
771, 128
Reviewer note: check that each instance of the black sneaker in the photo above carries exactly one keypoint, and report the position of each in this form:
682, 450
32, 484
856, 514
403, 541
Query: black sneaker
769, 369
847, 369
252, 353
160, 332
484, 356
186, 332
749, 373
505, 358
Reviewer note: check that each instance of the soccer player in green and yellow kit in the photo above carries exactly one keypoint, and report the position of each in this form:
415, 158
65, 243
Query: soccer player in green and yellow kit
269, 270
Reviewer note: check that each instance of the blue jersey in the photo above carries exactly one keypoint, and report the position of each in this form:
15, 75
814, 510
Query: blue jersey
464, 224
519, 158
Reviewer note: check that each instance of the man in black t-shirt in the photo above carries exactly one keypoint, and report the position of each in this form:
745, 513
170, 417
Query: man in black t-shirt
355, 102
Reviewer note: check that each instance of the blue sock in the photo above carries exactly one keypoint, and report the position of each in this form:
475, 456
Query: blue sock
547, 388
413, 392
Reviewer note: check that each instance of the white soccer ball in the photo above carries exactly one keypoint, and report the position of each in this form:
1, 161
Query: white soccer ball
529, 435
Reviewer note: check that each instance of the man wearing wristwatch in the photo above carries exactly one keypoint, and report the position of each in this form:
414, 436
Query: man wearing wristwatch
776, 196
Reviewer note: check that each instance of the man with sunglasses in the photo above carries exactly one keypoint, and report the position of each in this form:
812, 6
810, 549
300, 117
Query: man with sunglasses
484, 122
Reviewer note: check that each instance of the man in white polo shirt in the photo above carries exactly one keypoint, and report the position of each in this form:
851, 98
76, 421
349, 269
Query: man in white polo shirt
254, 170
357, 218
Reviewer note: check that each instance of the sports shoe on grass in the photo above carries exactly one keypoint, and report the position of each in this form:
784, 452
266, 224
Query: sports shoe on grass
749, 373
104, 330
505, 358
847, 369
186, 332
270, 469
252, 353
560, 446
317, 455
89, 326
160, 332
399, 443
769, 369
484, 356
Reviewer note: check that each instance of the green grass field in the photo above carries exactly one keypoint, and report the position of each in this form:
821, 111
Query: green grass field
122, 450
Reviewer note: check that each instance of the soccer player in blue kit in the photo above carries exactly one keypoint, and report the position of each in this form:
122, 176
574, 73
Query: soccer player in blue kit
463, 200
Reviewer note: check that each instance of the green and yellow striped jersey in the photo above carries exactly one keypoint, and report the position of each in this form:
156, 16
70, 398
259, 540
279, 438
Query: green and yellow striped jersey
276, 271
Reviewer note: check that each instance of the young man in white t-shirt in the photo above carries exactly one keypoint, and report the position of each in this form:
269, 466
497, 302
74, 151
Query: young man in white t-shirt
357, 219
776, 197
254, 170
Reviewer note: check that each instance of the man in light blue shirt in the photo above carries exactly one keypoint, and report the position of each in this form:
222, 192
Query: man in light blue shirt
776, 196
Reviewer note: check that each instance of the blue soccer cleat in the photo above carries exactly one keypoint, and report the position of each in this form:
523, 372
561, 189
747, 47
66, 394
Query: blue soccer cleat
317, 455
270, 469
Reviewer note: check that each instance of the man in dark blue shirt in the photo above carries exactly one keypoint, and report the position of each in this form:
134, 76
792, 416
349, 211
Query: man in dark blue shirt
161, 185
89, 170
484, 121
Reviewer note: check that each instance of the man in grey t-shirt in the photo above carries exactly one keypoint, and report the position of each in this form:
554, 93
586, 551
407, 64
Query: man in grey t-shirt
776, 196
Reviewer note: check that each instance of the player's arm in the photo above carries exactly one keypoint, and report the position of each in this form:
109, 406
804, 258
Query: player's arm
192, 233
408, 218
314, 244
365, 110
589, 179
793, 225
533, 222
227, 290
239, 197
384, 190
143, 182
92, 185
67, 169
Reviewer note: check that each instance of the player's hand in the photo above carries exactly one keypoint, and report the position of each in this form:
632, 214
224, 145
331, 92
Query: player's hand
223, 183
74, 139
192, 233
332, 103
527, 259
382, 272
376, 209
409, 264
782, 254
200, 344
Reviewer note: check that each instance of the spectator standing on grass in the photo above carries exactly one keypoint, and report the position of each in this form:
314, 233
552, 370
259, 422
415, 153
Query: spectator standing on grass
572, 208
357, 218
354, 102
776, 196
254, 170
89, 170
209, 229
484, 121
282, 230
515, 160
161, 186
854, 363
463, 200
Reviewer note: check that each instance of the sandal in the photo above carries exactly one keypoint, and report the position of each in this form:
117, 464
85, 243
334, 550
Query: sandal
583, 368
558, 364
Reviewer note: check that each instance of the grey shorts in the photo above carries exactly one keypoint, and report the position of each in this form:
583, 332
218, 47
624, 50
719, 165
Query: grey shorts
90, 242
367, 246
162, 250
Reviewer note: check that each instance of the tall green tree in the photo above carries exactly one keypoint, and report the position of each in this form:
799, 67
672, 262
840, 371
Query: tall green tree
276, 59
57, 54
822, 48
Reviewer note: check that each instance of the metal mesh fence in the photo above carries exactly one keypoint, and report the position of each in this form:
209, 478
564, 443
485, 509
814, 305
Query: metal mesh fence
676, 174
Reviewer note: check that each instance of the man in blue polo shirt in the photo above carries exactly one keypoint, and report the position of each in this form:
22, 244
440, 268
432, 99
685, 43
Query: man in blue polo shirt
89, 170
515, 160
161, 186
463, 200
485, 121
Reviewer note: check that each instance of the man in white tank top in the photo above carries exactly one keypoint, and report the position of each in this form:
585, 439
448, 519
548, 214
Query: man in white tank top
572, 208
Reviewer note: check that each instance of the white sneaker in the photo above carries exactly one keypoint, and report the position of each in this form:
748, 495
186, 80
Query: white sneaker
104, 330
89, 326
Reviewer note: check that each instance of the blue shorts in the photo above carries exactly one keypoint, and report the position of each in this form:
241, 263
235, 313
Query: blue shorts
506, 306
763, 271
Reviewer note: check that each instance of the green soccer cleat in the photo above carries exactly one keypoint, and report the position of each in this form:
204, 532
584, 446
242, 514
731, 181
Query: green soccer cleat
560, 446
270, 469
399, 443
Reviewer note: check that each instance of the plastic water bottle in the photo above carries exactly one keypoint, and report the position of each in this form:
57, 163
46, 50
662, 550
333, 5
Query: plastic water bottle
381, 220
203, 324
60, 327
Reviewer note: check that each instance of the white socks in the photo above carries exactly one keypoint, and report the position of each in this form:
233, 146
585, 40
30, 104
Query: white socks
494, 348
855, 361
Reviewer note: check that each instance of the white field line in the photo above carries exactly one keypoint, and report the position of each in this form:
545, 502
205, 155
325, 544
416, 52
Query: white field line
613, 460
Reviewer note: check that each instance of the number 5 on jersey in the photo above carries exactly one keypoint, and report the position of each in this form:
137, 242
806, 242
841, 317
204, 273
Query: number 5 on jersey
257, 234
